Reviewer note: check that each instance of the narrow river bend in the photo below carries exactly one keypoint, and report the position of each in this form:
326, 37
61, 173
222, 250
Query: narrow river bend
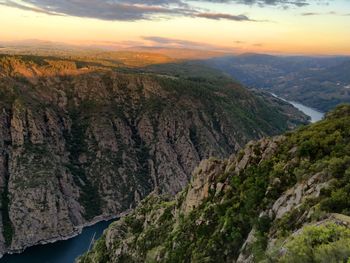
312, 113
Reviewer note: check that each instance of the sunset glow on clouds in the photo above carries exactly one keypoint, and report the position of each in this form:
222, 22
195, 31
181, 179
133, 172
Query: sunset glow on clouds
275, 26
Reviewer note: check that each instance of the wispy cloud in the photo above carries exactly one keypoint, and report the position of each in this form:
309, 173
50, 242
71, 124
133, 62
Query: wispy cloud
310, 14
156, 41
10, 3
218, 16
132, 10
331, 13
103, 9
172, 42
297, 3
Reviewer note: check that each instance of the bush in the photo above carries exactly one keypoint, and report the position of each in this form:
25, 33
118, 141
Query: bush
327, 243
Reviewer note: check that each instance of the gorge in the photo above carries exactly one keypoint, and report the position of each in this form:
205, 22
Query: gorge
81, 140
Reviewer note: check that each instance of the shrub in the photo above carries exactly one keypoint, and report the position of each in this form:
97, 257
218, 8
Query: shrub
327, 243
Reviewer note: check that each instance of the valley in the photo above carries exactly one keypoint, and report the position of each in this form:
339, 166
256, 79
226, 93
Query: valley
317, 82
313, 114
84, 142
92, 138
174, 131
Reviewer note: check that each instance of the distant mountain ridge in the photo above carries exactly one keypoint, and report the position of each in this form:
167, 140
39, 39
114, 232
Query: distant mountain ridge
318, 82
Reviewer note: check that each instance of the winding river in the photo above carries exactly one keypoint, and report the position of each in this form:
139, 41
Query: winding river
314, 114
65, 251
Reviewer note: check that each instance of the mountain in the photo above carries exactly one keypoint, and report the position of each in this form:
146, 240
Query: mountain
318, 82
82, 141
280, 199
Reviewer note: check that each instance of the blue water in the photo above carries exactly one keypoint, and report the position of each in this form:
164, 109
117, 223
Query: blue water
312, 113
65, 251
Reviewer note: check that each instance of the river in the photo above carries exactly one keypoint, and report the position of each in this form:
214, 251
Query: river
65, 251
312, 113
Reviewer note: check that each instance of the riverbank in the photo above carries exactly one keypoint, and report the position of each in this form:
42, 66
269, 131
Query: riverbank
314, 114
77, 231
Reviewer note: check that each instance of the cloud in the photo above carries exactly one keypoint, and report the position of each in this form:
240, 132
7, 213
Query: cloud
217, 16
104, 9
164, 41
332, 13
179, 43
132, 10
310, 14
262, 3
27, 8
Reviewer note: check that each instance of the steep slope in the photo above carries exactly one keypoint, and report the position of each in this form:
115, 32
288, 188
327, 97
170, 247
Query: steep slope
284, 199
80, 142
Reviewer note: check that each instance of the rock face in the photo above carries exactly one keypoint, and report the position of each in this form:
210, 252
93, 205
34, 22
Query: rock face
78, 144
249, 208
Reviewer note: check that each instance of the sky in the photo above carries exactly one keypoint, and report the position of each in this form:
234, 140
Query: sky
314, 27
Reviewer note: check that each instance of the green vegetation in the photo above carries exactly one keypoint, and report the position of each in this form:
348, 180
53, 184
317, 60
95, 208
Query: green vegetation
76, 144
101, 256
217, 97
216, 230
321, 244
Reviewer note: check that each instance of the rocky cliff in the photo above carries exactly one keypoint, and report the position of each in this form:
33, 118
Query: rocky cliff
80, 142
283, 199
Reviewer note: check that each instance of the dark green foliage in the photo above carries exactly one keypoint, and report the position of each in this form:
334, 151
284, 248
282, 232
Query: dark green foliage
76, 145
101, 256
7, 97
217, 96
326, 243
6, 222
337, 197
142, 156
135, 225
308, 149
194, 139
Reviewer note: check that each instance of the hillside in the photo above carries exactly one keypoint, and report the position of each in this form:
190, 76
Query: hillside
280, 199
81, 141
320, 83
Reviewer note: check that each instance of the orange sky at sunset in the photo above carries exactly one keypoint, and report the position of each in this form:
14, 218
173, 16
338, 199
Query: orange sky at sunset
303, 27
